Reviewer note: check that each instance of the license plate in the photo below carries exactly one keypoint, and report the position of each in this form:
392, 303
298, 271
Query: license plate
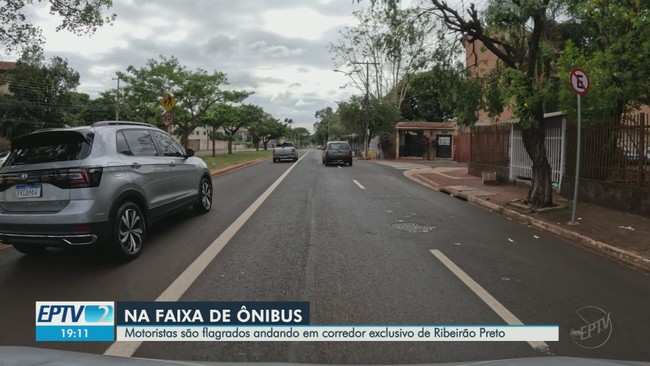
28, 191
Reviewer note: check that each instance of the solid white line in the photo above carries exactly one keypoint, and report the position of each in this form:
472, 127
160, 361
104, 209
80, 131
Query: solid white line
488, 299
359, 184
192, 272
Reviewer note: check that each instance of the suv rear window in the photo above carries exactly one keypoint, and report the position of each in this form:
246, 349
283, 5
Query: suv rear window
50, 146
338, 146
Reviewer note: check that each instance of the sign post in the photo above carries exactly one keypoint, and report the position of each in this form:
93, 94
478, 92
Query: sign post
168, 102
167, 118
580, 84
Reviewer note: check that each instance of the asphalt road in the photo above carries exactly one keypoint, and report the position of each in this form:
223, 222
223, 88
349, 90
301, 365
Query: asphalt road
341, 238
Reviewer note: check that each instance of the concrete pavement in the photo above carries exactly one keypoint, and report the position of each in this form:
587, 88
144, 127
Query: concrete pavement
616, 234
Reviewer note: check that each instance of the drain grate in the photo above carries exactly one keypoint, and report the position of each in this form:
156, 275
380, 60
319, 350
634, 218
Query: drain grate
412, 227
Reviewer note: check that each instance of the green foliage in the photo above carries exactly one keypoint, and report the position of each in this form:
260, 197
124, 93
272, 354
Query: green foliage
614, 51
383, 116
196, 91
301, 135
397, 42
41, 95
230, 119
466, 98
328, 127
427, 95
79, 17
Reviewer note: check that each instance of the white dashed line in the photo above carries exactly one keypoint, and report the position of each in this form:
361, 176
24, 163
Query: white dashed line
359, 184
488, 299
191, 273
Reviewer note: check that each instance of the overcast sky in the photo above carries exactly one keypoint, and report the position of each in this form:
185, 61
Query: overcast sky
276, 48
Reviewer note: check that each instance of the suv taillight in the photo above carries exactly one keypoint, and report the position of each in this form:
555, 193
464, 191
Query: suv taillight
62, 178
82, 178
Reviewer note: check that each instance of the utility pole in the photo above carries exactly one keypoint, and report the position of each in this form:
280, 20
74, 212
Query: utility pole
117, 99
366, 129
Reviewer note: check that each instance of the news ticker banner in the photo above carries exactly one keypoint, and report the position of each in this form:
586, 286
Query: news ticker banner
107, 321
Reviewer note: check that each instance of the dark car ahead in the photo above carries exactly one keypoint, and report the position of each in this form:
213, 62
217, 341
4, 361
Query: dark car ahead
337, 152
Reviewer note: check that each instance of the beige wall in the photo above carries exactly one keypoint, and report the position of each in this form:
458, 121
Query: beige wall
482, 62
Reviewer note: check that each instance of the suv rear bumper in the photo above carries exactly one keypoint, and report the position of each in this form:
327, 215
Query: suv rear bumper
54, 235
285, 156
337, 159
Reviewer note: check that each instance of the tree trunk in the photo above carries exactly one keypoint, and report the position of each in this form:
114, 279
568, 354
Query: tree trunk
185, 138
229, 146
213, 148
541, 190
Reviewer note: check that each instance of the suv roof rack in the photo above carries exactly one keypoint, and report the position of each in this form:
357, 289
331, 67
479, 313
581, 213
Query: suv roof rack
121, 123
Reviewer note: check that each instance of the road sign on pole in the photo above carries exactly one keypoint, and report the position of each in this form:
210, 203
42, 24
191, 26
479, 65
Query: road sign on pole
579, 81
167, 118
580, 84
168, 101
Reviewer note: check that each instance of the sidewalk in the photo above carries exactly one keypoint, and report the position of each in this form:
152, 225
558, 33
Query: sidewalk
623, 236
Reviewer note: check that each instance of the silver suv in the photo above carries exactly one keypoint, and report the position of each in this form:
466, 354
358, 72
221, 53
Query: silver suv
103, 183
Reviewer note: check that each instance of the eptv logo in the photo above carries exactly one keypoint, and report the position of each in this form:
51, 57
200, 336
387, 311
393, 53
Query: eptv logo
75, 313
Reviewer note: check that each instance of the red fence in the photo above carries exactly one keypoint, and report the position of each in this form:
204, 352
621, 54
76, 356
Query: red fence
462, 147
490, 145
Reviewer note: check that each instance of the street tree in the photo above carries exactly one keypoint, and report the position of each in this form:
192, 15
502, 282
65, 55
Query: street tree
611, 41
517, 34
195, 90
427, 97
271, 129
101, 108
232, 118
329, 126
382, 117
80, 17
229, 119
397, 42
301, 135
41, 94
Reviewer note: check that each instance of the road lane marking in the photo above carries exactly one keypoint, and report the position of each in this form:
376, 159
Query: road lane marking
338, 166
358, 184
192, 272
488, 299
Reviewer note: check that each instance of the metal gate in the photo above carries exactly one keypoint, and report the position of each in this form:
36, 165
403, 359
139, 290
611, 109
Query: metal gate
413, 143
521, 167
443, 146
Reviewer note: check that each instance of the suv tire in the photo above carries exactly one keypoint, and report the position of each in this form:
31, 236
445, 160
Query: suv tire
205, 196
350, 162
129, 231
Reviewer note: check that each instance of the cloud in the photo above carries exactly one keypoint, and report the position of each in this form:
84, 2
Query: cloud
221, 45
278, 49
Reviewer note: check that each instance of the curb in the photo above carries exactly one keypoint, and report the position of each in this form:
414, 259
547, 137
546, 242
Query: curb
412, 175
229, 169
627, 257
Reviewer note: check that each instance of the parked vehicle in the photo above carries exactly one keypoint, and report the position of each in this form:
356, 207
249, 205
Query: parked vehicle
285, 151
99, 184
337, 152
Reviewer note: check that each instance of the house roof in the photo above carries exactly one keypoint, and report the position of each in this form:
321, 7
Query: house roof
7, 65
450, 125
